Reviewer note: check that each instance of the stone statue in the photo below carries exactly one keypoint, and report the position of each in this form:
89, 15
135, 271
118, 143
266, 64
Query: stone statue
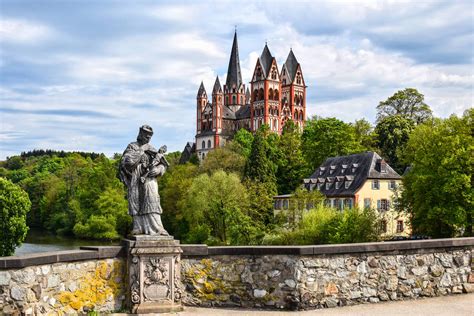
141, 164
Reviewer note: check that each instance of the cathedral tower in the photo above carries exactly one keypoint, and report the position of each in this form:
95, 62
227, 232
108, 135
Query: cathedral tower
266, 88
217, 108
293, 103
234, 89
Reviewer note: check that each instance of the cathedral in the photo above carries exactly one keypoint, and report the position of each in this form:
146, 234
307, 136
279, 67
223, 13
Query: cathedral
273, 98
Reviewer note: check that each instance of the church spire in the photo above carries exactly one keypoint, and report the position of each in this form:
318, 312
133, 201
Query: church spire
234, 75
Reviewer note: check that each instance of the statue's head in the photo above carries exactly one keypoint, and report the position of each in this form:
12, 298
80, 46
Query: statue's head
145, 134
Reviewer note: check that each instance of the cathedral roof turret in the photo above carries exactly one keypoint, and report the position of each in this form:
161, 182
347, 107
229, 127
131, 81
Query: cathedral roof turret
217, 86
234, 75
291, 65
247, 94
266, 59
202, 91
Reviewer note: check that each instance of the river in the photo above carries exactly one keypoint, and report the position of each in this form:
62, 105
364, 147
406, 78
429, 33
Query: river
39, 240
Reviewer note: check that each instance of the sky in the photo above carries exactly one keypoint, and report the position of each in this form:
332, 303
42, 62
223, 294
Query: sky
84, 75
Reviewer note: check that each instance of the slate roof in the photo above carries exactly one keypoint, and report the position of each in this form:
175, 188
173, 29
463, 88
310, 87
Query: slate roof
234, 75
217, 86
243, 112
353, 170
188, 150
201, 91
227, 113
291, 65
266, 60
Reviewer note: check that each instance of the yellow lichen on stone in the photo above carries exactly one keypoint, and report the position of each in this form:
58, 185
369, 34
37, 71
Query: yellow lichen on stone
94, 288
203, 278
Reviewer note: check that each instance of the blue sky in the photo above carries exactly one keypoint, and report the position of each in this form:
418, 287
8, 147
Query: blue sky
84, 75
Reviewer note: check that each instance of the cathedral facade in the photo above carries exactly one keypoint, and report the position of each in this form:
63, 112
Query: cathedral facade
274, 97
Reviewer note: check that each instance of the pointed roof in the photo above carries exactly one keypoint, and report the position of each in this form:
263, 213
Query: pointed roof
201, 91
234, 75
266, 60
291, 65
217, 86
247, 94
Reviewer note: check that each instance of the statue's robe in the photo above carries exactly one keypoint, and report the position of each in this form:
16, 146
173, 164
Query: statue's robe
143, 197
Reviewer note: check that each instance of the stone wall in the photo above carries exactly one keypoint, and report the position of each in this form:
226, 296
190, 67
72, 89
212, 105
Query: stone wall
68, 283
302, 282
289, 277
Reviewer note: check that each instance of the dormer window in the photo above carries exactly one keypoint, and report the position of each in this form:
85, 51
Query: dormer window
338, 185
328, 185
347, 184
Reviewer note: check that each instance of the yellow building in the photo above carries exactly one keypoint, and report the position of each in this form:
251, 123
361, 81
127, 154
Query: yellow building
364, 180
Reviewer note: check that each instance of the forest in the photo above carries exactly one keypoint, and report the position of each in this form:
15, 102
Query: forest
228, 198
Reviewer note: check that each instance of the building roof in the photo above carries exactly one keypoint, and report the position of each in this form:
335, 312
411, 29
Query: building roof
291, 65
243, 112
266, 60
227, 113
247, 95
187, 152
234, 75
346, 174
217, 86
201, 91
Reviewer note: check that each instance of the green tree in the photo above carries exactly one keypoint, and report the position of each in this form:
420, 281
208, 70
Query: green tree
393, 133
216, 204
327, 137
243, 142
408, 103
438, 189
223, 158
291, 167
259, 167
364, 133
173, 187
14, 205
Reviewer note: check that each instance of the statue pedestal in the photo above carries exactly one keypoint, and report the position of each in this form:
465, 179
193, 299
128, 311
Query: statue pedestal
153, 269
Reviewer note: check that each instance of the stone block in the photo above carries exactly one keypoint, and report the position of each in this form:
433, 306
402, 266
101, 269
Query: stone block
468, 287
5, 278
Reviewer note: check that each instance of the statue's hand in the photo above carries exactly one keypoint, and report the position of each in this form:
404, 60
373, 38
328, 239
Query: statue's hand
163, 149
156, 171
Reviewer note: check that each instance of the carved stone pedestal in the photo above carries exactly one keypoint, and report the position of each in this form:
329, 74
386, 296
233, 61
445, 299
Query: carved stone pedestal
153, 266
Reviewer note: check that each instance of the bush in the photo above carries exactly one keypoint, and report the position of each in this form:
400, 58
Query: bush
14, 204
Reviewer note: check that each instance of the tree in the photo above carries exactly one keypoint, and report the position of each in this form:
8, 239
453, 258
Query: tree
243, 142
408, 103
14, 205
291, 167
223, 158
365, 135
438, 189
393, 133
216, 205
174, 186
327, 137
259, 167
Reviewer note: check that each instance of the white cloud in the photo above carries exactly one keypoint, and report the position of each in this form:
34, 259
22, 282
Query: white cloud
23, 32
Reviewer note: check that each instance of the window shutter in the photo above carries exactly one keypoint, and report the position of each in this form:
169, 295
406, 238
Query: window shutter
378, 204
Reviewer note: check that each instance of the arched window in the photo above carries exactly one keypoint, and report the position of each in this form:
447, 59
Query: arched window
276, 96
209, 144
255, 95
227, 100
270, 94
261, 94
296, 116
258, 73
203, 145
301, 116
234, 99
241, 100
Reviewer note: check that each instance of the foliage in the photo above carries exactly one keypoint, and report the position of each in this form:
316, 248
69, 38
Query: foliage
324, 225
174, 186
259, 167
14, 205
365, 134
243, 141
392, 135
408, 103
328, 137
223, 158
291, 167
74, 190
438, 189
219, 202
